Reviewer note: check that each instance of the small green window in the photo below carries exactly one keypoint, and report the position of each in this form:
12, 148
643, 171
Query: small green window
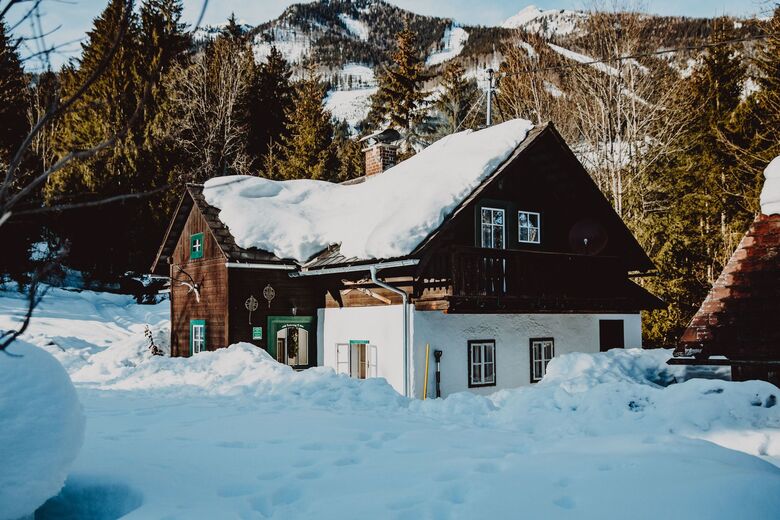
197, 336
196, 246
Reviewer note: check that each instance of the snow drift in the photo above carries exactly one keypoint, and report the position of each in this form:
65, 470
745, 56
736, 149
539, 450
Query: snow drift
386, 216
41, 429
770, 194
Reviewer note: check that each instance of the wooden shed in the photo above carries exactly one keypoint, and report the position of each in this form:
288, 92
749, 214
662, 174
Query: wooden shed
736, 322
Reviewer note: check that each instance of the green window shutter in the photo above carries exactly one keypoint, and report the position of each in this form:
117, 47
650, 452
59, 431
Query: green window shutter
196, 246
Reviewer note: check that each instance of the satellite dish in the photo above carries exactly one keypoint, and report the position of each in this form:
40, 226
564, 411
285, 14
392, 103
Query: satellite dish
588, 237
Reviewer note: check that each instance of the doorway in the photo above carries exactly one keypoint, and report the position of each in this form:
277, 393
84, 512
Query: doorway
292, 346
611, 335
292, 340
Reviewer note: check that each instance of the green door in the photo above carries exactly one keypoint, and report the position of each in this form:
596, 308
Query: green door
291, 340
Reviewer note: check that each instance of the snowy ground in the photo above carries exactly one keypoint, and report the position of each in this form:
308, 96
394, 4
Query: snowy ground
232, 434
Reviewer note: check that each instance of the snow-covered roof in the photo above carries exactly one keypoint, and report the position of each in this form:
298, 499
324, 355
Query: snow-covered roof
770, 193
387, 216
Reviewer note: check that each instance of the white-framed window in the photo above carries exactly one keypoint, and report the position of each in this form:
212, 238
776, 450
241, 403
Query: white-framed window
197, 336
482, 363
492, 229
529, 229
357, 359
542, 351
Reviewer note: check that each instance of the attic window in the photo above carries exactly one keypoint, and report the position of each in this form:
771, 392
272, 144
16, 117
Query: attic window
196, 246
528, 227
492, 228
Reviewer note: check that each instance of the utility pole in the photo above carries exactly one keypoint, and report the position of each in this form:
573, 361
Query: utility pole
491, 88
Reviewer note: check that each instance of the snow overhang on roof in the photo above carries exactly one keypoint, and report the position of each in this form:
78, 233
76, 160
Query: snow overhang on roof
387, 216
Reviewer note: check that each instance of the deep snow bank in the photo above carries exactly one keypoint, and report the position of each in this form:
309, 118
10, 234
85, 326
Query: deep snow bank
245, 369
41, 429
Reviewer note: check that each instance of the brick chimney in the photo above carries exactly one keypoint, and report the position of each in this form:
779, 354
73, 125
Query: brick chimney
381, 149
380, 157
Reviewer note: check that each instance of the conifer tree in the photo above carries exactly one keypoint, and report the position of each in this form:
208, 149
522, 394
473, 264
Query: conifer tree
457, 97
16, 235
13, 97
307, 150
701, 196
270, 97
400, 96
755, 129
349, 153
106, 109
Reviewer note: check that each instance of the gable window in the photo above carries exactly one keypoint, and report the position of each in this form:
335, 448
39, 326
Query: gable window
542, 351
492, 228
196, 246
528, 227
482, 363
197, 336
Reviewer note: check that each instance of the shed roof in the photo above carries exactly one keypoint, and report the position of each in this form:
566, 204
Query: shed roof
738, 319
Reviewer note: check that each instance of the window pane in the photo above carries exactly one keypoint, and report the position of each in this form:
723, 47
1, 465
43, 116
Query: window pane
533, 235
548, 354
489, 372
498, 218
486, 216
486, 236
498, 237
524, 235
533, 219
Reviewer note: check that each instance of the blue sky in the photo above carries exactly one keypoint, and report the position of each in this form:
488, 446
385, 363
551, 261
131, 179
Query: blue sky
74, 17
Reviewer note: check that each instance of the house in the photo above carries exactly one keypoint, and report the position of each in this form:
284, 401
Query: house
494, 248
735, 324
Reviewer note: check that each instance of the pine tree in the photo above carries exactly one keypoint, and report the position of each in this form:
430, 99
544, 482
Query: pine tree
400, 96
702, 197
457, 98
16, 235
755, 128
270, 98
349, 153
13, 97
307, 150
105, 109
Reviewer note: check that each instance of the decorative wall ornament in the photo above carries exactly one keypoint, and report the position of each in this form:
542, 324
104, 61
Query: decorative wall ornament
251, 306
269, 294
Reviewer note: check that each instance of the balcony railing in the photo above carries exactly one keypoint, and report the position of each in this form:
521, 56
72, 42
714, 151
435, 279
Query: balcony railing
500, 273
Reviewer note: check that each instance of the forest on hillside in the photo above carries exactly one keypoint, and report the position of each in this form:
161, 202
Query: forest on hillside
679, 153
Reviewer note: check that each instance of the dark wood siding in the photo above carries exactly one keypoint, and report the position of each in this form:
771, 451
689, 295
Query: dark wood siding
211, 274
302, 293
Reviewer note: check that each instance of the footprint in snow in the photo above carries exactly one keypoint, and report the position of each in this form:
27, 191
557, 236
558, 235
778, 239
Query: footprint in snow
269, 475
285, 496
309, 475
564, 502
346, 461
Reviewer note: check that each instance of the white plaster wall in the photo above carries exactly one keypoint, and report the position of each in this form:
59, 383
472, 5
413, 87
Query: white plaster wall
512, 333
380, 325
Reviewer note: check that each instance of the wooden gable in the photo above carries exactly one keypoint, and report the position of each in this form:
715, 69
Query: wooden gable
544, 176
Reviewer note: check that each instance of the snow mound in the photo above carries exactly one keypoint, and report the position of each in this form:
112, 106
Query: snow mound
577, 372
244, 369
385, 217
41, 429
453, 41
770, 193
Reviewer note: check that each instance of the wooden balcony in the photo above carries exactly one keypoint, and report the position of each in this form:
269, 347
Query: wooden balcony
538, 281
